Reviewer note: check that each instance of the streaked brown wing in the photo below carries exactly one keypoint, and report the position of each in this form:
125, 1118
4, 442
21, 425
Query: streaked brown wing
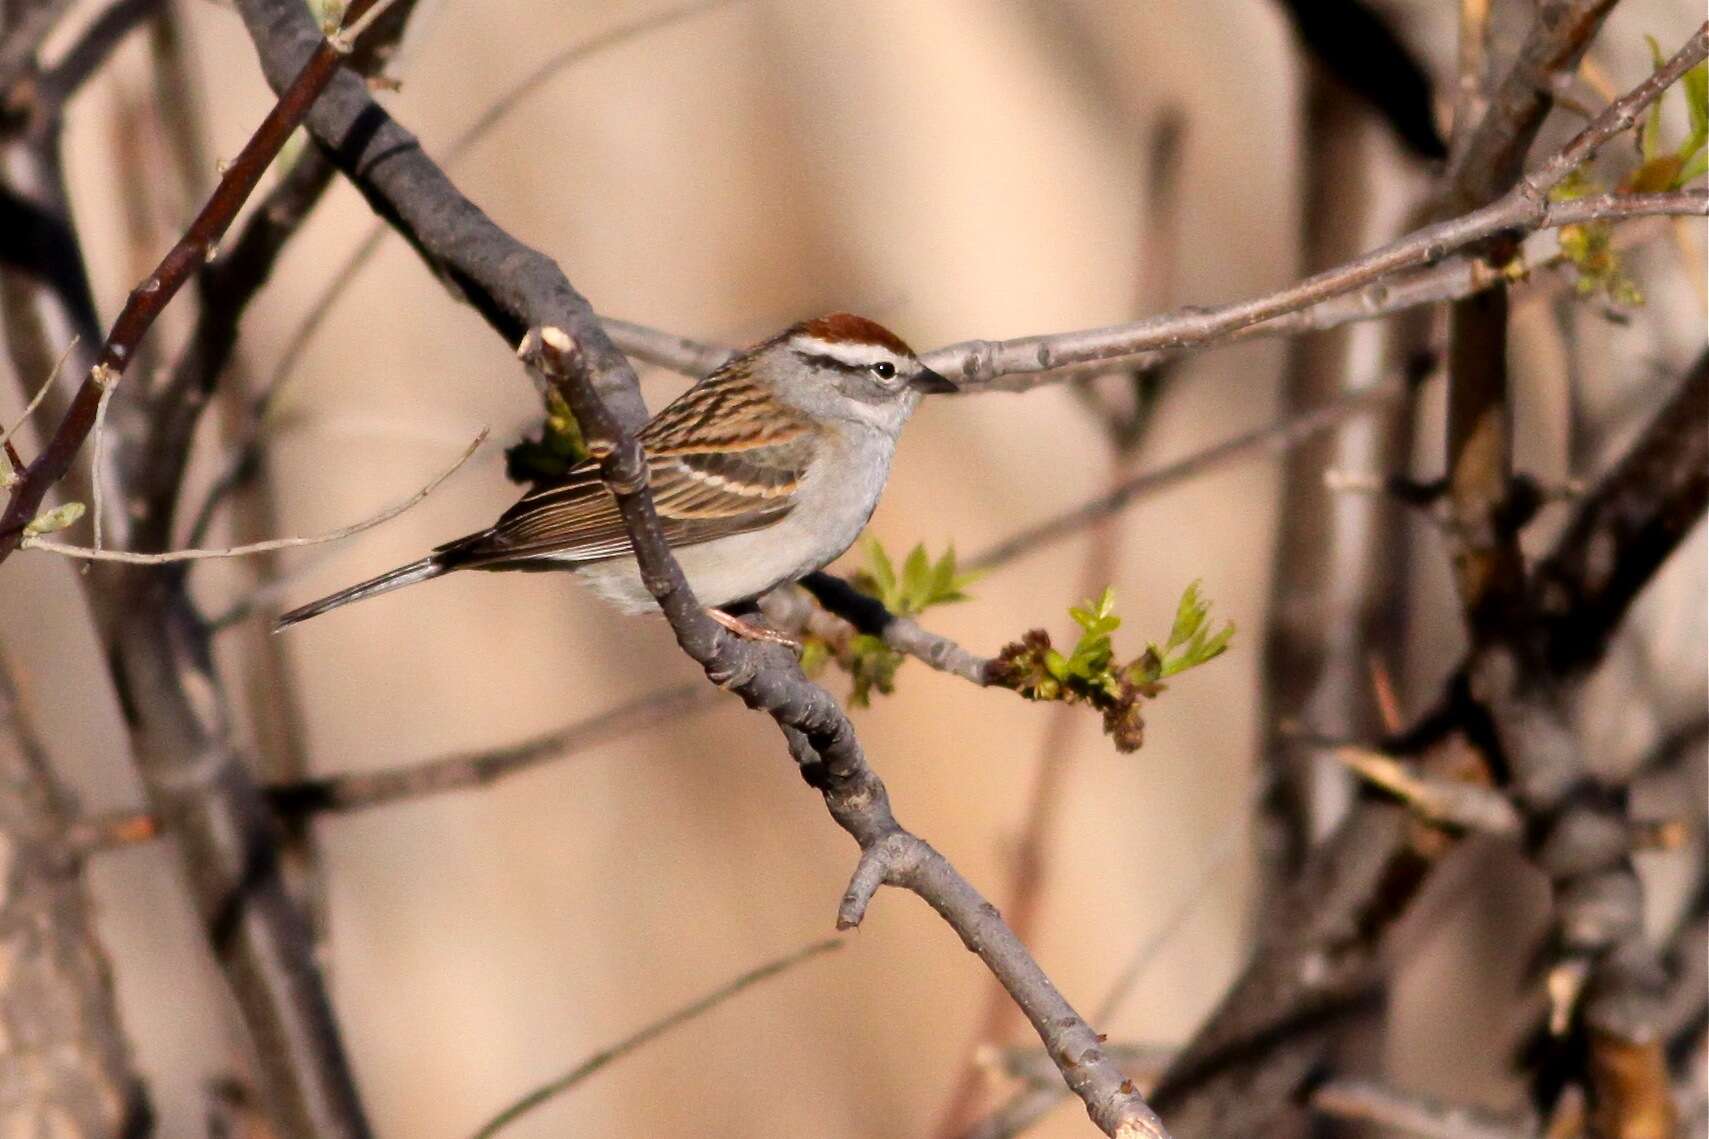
721, 462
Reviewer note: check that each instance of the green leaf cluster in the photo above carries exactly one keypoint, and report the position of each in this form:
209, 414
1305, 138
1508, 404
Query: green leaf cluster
1589, 247
559, 446
1091, 674
921, 583
1191, 641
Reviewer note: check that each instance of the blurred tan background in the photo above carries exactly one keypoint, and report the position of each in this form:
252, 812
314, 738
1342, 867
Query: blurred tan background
953, 168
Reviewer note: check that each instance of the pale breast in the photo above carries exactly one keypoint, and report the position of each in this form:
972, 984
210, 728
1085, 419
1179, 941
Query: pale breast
832, 507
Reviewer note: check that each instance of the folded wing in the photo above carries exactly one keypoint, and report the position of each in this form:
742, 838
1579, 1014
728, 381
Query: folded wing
722, 460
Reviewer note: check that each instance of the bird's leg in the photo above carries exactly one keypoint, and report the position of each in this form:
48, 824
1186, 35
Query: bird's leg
752, 632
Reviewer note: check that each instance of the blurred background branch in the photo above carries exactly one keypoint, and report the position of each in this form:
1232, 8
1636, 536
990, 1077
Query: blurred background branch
1466, 752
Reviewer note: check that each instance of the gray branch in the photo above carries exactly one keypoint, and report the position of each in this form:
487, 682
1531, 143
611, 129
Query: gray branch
516, 287
767, 677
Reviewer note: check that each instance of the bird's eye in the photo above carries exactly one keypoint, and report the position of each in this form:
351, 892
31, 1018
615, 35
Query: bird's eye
884, 369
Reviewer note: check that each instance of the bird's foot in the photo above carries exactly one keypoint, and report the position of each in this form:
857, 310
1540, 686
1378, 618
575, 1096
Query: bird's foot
751, 632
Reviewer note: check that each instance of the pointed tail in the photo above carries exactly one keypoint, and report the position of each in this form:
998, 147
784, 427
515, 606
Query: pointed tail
429, 567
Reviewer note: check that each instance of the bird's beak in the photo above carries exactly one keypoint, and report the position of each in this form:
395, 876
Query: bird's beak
929, 382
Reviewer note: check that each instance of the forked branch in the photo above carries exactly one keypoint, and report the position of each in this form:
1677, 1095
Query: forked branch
823, 742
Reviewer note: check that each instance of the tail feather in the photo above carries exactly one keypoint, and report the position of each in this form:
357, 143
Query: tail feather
429, 567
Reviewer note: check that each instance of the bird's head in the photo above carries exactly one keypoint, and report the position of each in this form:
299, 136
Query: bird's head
845, 367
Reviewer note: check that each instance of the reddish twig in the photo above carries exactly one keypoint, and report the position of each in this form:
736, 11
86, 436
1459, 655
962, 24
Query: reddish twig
150, 298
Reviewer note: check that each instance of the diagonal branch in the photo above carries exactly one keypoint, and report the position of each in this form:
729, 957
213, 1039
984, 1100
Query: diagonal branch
244, 461
823, 742
506, 281
1457, 276
1524, 208
92, 50
299, 800
513, 286
150, 298
1642, 509
698, 1007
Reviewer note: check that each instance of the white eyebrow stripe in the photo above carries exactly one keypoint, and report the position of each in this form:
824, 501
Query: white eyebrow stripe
845, 352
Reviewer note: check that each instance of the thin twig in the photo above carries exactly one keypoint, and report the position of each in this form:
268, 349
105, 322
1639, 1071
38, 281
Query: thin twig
150, 298
1526, 207
843, 611
343, 39
1456, 277
41, 393
96, 478
1016, 365
1368, 1102
603, 1058
359, 791
341, 278
97, 554
1270, 437
462, 771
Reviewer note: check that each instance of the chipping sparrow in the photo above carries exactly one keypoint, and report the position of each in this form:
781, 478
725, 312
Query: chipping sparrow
762, 472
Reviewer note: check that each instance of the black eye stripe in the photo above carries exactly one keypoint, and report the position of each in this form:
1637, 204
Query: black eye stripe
832, 362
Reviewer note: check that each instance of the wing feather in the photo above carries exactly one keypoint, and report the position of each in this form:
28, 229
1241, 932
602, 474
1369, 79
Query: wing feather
723, 459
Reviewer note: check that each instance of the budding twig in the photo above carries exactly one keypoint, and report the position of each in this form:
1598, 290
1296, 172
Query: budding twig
150, 298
